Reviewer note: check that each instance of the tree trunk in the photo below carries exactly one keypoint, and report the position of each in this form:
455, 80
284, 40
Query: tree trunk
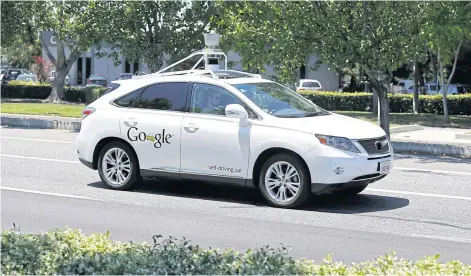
444, 85
415, 102
383, 112
434, 70
57, 93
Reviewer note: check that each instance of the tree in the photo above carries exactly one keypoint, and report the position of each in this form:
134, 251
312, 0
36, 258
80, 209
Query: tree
77, 25
371, 36
447, 28
19, 38
148, 31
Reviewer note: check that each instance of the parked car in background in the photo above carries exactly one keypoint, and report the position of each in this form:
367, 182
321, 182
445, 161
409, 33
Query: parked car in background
97, 80
308, 85
12, 74
52, 77
125, 76
27, 77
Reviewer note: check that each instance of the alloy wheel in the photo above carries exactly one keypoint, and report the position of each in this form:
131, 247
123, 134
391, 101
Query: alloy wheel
282, 181
116, 166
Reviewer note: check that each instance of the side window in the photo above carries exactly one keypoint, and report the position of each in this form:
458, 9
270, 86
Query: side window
129, 99
211, 99
164, 96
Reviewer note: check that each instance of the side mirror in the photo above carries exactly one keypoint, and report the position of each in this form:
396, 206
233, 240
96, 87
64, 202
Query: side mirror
236, 111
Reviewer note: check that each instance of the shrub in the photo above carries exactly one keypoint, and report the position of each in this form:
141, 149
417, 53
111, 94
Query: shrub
68, 251
29, 90
398, 103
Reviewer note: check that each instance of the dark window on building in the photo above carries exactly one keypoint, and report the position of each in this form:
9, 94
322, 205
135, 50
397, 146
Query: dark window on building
164, 96
129, 99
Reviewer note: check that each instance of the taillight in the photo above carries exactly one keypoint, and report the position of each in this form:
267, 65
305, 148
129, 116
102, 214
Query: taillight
87, 111
89, 81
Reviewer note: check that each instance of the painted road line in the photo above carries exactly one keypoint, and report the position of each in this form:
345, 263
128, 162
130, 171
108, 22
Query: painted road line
37, 140
419, 194
454, 239
39, 158
433, 171
42, 193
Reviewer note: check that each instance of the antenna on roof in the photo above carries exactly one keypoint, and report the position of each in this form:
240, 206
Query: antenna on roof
210, 56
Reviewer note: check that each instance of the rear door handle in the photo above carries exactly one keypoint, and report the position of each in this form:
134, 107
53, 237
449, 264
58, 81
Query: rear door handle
130, 122
191, 128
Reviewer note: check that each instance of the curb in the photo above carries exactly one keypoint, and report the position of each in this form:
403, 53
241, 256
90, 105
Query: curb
41, 122
406, 128
463, 151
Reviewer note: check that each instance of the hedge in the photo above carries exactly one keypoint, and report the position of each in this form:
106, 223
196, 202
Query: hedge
22, 90
398, 103
68, 251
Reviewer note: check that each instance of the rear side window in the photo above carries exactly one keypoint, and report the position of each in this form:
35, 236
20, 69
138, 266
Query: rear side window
164, 96
113, 86
129, 99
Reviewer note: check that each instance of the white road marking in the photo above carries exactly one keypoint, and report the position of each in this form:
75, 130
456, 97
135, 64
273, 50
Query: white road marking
37, 140
443, 238
428, 170
39, 158
418, 194
42, 193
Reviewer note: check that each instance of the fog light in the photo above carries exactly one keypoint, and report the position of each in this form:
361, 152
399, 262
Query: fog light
338, 170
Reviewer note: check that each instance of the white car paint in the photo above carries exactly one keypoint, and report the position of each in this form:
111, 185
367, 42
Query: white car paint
225, 148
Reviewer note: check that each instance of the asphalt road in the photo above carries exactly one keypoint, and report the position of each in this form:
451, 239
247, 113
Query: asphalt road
422, 208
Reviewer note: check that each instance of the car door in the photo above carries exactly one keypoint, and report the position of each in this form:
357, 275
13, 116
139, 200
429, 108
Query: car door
152, 125
214, 146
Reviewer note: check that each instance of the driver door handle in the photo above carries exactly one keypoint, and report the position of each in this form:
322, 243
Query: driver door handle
191, 127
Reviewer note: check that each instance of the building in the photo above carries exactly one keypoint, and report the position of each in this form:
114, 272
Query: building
89, 64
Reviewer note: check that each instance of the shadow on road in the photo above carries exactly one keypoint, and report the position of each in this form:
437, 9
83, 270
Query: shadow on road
252, 198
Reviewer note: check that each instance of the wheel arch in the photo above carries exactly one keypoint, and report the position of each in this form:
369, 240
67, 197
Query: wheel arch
267, 153
104, 142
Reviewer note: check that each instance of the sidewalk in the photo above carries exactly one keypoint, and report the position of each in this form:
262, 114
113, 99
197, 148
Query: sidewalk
434, 140
404, 139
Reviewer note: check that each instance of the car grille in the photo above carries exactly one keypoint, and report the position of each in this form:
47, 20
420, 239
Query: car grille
371, 145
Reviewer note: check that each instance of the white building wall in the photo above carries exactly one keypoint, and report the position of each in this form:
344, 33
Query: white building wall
329, 80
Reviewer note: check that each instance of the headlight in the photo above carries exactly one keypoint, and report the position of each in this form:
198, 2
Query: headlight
337, 142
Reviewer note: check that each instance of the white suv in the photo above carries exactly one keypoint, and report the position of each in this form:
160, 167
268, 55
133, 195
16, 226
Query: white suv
230, 128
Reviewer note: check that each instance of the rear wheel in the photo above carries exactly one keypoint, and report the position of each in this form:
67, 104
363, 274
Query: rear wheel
284, 181
118, 167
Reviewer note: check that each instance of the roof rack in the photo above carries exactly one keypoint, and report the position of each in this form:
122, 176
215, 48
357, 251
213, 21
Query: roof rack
210, 57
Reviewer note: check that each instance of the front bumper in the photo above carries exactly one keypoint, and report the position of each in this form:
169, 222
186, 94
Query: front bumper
332, 166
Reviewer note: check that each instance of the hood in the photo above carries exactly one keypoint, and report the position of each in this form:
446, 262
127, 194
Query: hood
335, 125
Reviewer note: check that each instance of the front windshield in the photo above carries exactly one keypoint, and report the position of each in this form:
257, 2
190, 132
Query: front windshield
279, 101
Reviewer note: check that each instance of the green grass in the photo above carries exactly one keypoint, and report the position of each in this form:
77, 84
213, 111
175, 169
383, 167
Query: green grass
430, 120
49, 109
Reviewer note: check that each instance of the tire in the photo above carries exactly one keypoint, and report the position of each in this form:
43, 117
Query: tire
304, 191
131, 178
353, 190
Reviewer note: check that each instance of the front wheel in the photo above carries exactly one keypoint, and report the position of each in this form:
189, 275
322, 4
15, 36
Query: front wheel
284, 181
118, 167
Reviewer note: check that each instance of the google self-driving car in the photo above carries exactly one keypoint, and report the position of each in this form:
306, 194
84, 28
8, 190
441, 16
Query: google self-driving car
228, 127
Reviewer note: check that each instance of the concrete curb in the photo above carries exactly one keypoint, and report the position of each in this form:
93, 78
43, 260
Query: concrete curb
431, 148
406, 128
41, 122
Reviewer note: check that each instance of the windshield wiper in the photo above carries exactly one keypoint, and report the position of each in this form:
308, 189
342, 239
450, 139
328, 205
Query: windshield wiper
311, 114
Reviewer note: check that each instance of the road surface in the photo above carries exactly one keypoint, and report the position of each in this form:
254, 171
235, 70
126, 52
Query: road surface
422, 208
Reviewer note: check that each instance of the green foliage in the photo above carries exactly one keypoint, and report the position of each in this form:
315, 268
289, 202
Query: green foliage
68, 251
28, 90
398, 103
147, 31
